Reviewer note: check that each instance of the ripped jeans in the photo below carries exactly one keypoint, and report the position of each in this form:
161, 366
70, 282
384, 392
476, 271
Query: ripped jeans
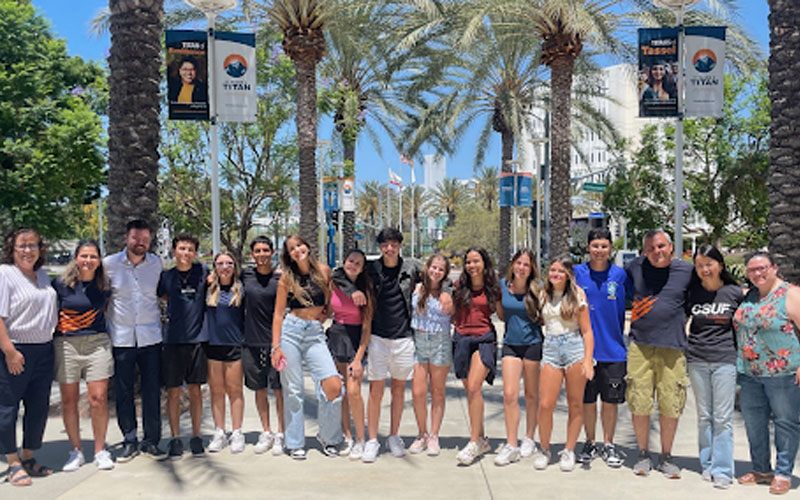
304, 341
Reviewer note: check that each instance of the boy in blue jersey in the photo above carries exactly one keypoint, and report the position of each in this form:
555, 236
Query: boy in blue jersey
604, 285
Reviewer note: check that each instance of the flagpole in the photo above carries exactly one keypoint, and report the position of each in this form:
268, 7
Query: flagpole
411, 197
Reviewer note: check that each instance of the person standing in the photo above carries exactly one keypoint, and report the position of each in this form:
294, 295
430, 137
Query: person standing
28, 315
83, 350
134, 322
604, 285
656, 362
260, 288
711, 355
183, 358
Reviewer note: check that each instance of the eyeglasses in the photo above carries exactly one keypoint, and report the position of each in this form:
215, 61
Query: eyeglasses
26, 246
223, 264
758, 270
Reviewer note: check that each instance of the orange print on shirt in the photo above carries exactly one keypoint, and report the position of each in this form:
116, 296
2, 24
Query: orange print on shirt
71, 321
642, 306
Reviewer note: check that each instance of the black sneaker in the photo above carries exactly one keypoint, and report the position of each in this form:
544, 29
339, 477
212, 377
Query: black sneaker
331, 450
612, 456
667, 466
129, 451
152, 451
196, 445
175, 449
588, 453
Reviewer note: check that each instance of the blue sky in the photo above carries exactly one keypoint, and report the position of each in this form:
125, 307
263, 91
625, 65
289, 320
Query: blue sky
70, 20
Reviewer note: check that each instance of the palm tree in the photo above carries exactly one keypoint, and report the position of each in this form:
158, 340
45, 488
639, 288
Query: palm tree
487, 187
133, 114
368, 206
447, 197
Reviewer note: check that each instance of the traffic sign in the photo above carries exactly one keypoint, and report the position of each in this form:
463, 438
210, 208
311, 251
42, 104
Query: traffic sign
594, 187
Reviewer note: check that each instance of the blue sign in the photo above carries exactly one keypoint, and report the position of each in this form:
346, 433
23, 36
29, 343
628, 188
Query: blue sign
506, 197
524, 190
330, 196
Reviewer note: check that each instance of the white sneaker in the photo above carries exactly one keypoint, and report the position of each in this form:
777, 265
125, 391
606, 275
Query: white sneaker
103, 460
469, 453
265, 440
527, 447
277, 444
508, 454
347, 447
541, 459
74, 461
396, 445
218, 442
357, 451
237, 441
483, 445
567, 460
371, 449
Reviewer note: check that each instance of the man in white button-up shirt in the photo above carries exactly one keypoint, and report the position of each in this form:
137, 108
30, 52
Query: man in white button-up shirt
134, 321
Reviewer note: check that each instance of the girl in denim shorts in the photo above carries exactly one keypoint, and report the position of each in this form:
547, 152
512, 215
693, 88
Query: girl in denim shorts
567, 353
433, 353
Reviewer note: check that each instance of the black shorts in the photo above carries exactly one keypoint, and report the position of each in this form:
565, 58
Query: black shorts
258, 370
465, 345
608, 381
224, 353
531, 352
343, 341
183, 363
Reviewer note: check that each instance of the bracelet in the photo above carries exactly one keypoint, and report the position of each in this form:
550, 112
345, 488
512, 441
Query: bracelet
273, 349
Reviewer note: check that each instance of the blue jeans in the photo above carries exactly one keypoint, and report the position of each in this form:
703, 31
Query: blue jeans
779, 397
714, 386
149, 360
304, 341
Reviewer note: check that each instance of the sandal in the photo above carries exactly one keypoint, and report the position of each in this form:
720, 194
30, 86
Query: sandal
35, 469
780, 485
18, 476
754, 477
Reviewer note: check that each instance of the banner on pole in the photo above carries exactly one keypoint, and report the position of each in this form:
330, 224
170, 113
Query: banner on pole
235, 76
187, 74
330, 194
658, 72
705, 70
524, 189
348, 194
506, 197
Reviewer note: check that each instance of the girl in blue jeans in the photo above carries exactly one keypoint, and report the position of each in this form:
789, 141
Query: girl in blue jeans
305, 289
711, 355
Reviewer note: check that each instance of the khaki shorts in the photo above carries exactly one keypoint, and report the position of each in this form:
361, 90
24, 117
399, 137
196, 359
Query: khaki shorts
85, 357
658, 370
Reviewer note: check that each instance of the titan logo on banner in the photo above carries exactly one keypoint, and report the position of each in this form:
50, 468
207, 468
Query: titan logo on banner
235, 55
705, 71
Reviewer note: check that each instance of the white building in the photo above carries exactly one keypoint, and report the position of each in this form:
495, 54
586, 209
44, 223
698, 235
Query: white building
435, 171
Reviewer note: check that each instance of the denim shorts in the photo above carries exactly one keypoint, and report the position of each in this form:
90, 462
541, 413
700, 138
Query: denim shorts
562, 351
433, 347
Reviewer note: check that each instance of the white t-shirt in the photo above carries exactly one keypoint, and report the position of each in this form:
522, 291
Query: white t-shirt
554, 324
28, 310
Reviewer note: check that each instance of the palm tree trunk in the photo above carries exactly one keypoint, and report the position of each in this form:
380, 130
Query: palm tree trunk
349, 218
561, 212
784, 149
504, 245
306, 75
133, 115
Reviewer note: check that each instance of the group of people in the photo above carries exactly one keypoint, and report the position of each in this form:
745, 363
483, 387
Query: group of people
392, 318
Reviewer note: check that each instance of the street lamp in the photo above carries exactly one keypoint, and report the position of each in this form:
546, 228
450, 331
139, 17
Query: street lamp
514, 166
339, 166
212, 8
538, 170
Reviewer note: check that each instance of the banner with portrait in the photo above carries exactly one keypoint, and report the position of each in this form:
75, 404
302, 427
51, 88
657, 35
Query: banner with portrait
187, 74
658, 72
705, 70
235, 76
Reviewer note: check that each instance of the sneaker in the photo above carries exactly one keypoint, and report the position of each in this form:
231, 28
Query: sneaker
346, 447
175, 449
196, 445
152, 451
277, 444
722, 483
298, 454
330, 450
588, 453
419, 444
508, 454
643, 464
371, 449
74, 461
706, 476
129, 451
666, 465
237, 441
612, 456
527, 447
218, 442
483, 445
541, 459
566, 460
469, 453
433, 446
357, 451
396, 445
265, 440
103, 460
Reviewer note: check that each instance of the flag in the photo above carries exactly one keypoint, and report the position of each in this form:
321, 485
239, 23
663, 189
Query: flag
395, 179
407, 161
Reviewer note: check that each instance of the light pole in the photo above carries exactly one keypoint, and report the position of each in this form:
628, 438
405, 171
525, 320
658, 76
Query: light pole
339, 166
514, 166
212, 8
321, 144
537, 168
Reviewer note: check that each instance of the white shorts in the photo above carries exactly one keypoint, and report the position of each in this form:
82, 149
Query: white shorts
390, 358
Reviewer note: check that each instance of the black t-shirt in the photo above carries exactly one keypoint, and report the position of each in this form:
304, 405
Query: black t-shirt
225, 322
186, 299
260, 290
391, 319
711, 337
659, 296
81, 310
